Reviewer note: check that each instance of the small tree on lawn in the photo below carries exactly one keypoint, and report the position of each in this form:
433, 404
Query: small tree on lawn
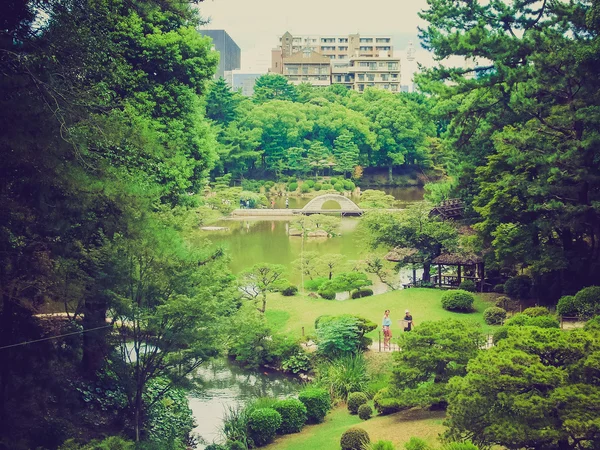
261, 279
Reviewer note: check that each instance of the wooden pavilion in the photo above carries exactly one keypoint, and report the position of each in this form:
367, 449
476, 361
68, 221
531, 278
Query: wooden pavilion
449, 209
469, 266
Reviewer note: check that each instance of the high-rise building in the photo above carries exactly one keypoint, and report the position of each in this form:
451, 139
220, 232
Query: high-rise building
349, 56
230, 55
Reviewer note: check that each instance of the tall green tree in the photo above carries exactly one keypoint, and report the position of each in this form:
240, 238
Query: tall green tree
346, 153
273, 87
221, 102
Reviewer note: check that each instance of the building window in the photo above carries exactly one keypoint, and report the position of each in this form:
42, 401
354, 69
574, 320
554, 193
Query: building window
305, 70
386, 47
361, 77
386, 86
343, 48
394, 76
384, 77
342, 56
392, 66
370, 77
361, 87
394, 87
383, 40
366, 40
366, 49
292, 70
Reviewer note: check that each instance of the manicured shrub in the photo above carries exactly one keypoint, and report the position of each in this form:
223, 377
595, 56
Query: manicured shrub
499, 334
339, 186
349, 185
468, 285
458, 301
365, 292
593, 324
292, 179
536, 311
566, 306
315, 284
522, 320
354, 439
327, 295
587, 301
317, 186
416, 444
494, 315
365, 412
317, 402
289, 290
333, 181
355, 399
310, 183
269, 184
292, 186
385, 404
293, 415
327, 186
507, 303
304, 188
382, 445
263, 424
518, 287
499, 288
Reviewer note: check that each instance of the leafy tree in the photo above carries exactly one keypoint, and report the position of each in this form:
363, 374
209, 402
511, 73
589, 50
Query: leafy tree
221, 102
261, 279
411, 228
346, 153
375, 199
318, 156
346, 282
330, 263
433, 353
273, 87
536, 389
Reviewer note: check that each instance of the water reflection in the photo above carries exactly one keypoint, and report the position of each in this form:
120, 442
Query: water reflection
224, 384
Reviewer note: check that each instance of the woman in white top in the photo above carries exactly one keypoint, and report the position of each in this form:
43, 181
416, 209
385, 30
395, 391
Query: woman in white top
387, 331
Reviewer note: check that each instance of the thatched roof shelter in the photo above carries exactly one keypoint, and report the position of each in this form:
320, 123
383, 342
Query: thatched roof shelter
404, 255
449, 209
455, 259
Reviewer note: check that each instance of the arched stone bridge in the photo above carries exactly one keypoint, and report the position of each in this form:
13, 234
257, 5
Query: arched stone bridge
347, 206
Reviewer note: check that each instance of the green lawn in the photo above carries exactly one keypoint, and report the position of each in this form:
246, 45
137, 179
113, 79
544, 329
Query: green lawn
290, 314
398, 428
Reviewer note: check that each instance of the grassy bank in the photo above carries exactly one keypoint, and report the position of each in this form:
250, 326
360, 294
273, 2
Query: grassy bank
290, 314
398, 428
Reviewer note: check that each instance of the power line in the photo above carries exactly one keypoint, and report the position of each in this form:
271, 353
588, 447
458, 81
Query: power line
54, 337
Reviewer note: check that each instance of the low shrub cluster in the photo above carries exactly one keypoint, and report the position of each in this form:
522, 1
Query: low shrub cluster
566, 306
537, 311
354, 439
468, 285
385, 404
293, 415
263, 424
355, 400
523, 320
458, 300
289, 291
317, 403
365, 292
494, 315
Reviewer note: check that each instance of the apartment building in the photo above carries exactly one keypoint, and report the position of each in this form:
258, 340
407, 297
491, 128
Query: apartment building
307, 66
349, 57
230, 55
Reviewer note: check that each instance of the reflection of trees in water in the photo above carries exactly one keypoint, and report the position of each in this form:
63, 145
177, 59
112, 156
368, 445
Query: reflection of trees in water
223, 379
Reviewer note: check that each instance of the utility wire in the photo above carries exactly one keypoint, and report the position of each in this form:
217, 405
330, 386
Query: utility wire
54, 337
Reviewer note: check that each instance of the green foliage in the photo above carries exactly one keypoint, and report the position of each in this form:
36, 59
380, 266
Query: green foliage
273, 87
507, 303
338, 337
339, 186
523, 320
499, 334
362, 293
315, 284
499, 288
536, 311
263, 424
349, 185
216, 447
436, 193
518, 287
431, 354
109, 443
235, 425
304, 188
236, 445
317, 402
372, 199
381, 445
386, 404
593, 324
344, 375
221, 102
256, 282
354, 438
467, 285
310, 183
364, 326
292, 186
416, 444
458, 300
365, 412
502, 386
318, 186
298, 362
289, 291
494, 315
327, 295
355, 399
587, 301
460, 446
566, 306
293, 415
348, 282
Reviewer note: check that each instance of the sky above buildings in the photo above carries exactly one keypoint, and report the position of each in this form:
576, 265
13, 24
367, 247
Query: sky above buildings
256, 24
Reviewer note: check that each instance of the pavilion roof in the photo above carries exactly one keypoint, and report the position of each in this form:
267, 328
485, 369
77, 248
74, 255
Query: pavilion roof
403, 254
454, 259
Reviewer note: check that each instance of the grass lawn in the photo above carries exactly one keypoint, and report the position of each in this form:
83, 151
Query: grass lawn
398, 428
290, 314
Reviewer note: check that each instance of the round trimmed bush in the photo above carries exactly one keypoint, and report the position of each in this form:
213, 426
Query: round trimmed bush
537, 311
292, 186
467, 285
506, 303
263, 424
494, 315
327, 295
566, 306
317, 186
587, 301
458, 301
333, 181
304, 188
269, 184
317, 402
289, 290
349, 185
310, 183
365, 412
327, 186
293, 415
499, 289
354, 439
518, 287
366, 292
339, 186
355, 399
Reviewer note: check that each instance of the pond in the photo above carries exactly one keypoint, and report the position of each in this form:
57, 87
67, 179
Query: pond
225, 385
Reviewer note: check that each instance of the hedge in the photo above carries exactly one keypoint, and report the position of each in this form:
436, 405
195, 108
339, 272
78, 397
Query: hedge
317, 402
366, 292
293, 415
289, 291
494, 315
458, 300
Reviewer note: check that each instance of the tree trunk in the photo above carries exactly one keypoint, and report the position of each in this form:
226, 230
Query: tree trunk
95, 347
264, 303
426, 272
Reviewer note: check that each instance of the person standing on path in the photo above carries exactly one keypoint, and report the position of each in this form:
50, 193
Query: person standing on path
387, 331
272, 204
287, 202
408, 321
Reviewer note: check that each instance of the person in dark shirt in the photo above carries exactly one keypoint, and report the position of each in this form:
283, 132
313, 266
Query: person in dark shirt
408, 321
